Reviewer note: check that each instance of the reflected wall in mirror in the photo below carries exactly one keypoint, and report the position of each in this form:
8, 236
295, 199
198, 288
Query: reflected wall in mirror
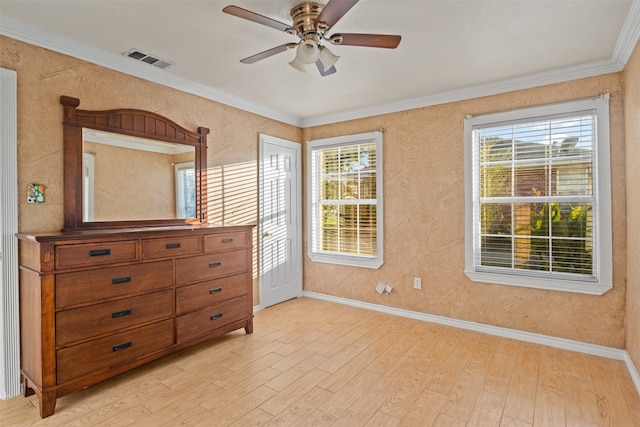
130, 178
127, 167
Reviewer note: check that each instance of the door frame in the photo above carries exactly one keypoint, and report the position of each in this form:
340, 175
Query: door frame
297, 254
9, 313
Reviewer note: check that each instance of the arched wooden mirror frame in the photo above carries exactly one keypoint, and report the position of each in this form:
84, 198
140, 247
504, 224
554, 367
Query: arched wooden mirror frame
132, 122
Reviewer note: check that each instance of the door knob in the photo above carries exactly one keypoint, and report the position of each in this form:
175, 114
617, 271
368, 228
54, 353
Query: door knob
268, 234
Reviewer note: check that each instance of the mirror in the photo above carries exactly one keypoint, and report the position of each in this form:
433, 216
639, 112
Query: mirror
126, 168
130, 178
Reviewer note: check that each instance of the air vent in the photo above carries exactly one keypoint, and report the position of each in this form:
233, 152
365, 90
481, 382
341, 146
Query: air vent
156, 61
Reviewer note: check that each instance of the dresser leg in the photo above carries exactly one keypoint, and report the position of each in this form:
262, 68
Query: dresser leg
249, 328
47, 403
46, 399
26, 390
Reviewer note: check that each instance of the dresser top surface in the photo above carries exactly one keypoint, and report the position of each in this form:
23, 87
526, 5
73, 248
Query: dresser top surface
133, 232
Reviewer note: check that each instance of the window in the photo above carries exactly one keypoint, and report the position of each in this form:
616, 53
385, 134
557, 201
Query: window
185, 190
345, 203
537, 192
88, 186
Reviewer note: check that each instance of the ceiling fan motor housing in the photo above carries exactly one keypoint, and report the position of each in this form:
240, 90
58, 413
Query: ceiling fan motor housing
304, 20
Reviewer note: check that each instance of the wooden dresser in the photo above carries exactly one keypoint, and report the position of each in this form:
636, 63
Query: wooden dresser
94, 304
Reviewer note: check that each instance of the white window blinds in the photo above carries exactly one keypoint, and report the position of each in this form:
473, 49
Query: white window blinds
185, 190
345, 202
536, 198
537, 207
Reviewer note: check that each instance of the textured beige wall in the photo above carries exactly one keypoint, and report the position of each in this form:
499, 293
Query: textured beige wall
44, 75
424, 191
632, 138
424, 224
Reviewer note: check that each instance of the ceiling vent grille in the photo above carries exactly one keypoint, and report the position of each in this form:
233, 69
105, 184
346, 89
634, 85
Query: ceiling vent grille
154, 60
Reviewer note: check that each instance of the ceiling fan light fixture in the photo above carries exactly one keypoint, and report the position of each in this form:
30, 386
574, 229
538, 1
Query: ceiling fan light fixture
307, 52
300, 66
327, 58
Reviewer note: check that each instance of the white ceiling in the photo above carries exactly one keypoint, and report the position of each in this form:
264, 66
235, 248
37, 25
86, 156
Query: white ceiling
450, 49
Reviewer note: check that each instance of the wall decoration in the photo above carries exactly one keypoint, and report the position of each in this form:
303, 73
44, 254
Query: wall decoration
35, 193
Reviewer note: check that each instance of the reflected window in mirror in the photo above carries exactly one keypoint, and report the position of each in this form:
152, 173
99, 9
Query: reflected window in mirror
185, 174
87, 185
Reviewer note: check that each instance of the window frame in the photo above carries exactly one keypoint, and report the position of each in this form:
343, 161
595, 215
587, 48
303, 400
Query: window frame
602, 262
373, 262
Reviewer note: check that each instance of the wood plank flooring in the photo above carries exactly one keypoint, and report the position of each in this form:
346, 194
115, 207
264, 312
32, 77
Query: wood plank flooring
317, 363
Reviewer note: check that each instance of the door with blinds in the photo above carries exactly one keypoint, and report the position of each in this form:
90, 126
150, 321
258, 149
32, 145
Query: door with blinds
280, 223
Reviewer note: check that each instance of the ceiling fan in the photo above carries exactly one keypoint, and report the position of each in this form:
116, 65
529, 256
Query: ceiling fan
311, 21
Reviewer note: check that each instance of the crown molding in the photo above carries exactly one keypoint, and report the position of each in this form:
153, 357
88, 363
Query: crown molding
35, 36
629, 36
627, 40
508, 85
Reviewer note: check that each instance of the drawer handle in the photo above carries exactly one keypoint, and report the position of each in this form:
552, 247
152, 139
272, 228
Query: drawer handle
100, 252
215, 264
216, 316
227, 240
122, 313
122, 346
215, 291
172, 245
118, 280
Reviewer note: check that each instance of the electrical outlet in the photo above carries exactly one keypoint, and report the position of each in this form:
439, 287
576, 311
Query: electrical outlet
417, 283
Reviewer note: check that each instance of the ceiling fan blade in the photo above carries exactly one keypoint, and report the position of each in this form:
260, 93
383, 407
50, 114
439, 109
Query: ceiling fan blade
267, 53
334, 10
370, 40
324, 72
255, 17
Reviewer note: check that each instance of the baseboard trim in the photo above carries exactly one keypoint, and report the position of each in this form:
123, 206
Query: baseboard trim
635, 377
593, 349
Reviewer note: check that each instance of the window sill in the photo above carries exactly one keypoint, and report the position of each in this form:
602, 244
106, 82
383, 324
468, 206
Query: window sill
539, 283
350, 261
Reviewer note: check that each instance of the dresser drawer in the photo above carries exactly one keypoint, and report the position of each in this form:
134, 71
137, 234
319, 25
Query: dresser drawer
95, 285
210, 266
99, 319
225, 241
201, 322
98, 355
70, 256
170, 246
205, 294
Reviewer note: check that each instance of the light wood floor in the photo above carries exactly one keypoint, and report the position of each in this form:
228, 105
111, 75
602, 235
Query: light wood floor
317, 363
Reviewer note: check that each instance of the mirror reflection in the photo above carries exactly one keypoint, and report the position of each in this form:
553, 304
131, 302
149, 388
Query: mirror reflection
129, 178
